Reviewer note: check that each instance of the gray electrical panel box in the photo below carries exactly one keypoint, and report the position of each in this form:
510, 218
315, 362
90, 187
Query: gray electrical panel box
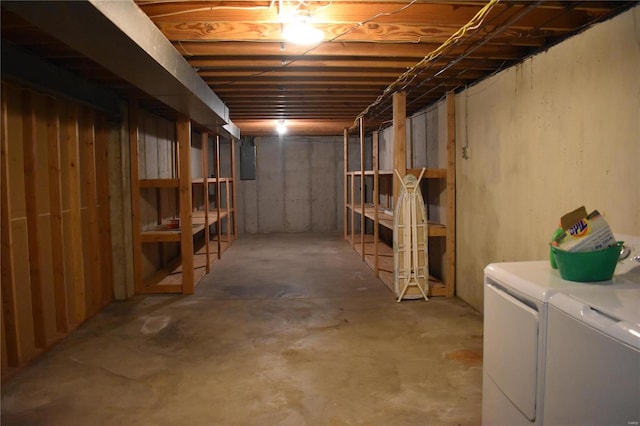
248, 161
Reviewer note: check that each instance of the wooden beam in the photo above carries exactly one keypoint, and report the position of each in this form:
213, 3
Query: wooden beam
376, 203
450, 245
31, 187
204, 141
399, 141
9, 303
55, 208
218, 198
404, 32
134, 147
353, 211
233, 189
183, 133
202, 21
76, 246
352, 49
362, 187
104, 208
345, 190
88, 181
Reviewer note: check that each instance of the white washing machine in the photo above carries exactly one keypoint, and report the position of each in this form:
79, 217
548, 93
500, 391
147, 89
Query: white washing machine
516, 298
592, 376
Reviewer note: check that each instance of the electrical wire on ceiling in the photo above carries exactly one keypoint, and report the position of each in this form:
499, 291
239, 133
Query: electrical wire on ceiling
306, 52
408, 76
495, 32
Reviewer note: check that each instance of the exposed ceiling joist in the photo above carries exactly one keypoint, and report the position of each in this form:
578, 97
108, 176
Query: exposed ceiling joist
236, 48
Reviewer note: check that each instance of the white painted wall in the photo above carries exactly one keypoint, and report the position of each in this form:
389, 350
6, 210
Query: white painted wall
558, 131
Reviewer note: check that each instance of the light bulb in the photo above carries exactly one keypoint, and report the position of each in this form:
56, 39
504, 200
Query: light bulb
302, 33
281, 127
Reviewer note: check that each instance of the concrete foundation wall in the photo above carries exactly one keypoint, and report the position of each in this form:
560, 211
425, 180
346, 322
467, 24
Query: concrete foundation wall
559, 131
298, 186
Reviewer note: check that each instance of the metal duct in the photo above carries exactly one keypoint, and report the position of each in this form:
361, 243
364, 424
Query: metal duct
121, 38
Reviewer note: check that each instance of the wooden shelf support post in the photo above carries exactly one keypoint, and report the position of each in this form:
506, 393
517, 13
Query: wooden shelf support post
183, 133
345, 221
204, 140
376, 203
362, 187
450, 245
399, 141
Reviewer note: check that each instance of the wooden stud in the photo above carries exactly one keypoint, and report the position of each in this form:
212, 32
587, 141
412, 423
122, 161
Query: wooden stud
183, 132
75, 216
218, 187
376, 203
233, 189
362, 187
450, 245
55, 207
204, 141
345, 221
31, 187
8, 283
104, 213
88, 181
399, 141
134, 146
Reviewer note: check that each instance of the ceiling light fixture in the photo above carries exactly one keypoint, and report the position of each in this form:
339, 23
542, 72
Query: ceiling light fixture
296, 25
301, 32
281, 127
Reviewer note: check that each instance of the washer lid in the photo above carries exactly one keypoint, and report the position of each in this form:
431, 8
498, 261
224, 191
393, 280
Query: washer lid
534, 279
614, 310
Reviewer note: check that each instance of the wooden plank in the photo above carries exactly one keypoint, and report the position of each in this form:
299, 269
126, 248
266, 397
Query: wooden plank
376, 202
399, 141
429, 173
362, 182
88, 181
134, 145
11, 333
24, 315
204, 141
31, 187
104, 213
345, 190
183, 133
227, 204
75, 216
216, 159
44, 219
450, 245
233, 189
159, 183
55, 208
353, 215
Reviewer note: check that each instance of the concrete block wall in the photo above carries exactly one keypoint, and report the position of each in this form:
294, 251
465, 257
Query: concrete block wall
556, 132
298, 186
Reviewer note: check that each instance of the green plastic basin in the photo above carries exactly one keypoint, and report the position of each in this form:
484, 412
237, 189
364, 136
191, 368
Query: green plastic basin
588, 266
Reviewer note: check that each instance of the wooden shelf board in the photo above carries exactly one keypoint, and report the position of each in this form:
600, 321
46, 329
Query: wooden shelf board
429, 173
198, 217
162, 234
437, 229
158, 183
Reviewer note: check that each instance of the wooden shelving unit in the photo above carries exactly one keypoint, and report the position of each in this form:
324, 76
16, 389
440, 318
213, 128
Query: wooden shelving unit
377, 214
202, 232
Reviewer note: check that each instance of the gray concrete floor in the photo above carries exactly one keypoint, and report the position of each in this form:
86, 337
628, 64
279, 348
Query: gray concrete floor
288, 329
